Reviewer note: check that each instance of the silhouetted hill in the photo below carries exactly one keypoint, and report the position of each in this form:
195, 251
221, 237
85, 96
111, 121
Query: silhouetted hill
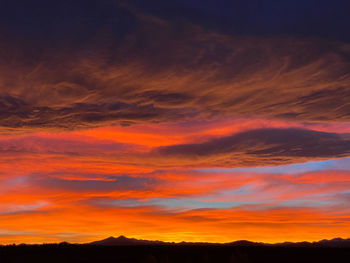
245, 243
236, 252
123, 249
336, 242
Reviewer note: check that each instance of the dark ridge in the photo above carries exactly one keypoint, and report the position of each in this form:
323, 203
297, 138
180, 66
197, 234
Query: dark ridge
184, 252
124, 241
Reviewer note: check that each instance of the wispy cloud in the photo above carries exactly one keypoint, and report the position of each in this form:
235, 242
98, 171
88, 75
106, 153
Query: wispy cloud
196, 74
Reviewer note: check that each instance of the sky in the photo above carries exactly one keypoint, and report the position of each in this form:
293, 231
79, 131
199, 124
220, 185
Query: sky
174, 120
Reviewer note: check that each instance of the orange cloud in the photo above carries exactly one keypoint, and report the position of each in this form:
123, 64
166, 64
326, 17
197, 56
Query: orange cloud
249, 148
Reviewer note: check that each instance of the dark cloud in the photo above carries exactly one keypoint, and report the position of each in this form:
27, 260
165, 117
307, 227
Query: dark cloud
250, 148
18, 114
161, 71
41, 145
117, 183
260, 147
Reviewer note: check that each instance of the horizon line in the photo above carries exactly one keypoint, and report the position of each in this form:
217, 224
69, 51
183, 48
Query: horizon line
179, 242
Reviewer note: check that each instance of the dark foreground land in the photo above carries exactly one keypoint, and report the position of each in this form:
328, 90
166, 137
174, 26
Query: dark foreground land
170, 253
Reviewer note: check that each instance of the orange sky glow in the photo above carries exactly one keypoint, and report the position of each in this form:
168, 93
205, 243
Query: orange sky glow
73, 186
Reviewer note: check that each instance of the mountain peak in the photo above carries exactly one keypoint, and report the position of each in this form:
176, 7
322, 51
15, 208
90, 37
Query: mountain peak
122, 238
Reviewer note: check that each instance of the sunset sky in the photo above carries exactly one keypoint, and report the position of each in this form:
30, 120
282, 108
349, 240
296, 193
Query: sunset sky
174, 120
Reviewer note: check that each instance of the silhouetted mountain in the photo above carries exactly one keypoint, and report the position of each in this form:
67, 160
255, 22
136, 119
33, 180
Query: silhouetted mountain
124, 241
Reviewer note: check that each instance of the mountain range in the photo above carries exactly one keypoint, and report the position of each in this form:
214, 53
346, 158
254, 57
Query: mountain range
124, 241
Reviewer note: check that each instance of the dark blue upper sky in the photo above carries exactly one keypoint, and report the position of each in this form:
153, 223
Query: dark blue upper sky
292, 17
84, 18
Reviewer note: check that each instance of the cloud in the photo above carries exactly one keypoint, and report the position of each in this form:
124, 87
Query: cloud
72, 145
259, 148
250, 205
180, 71
90, 183
245, 148
22, 208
